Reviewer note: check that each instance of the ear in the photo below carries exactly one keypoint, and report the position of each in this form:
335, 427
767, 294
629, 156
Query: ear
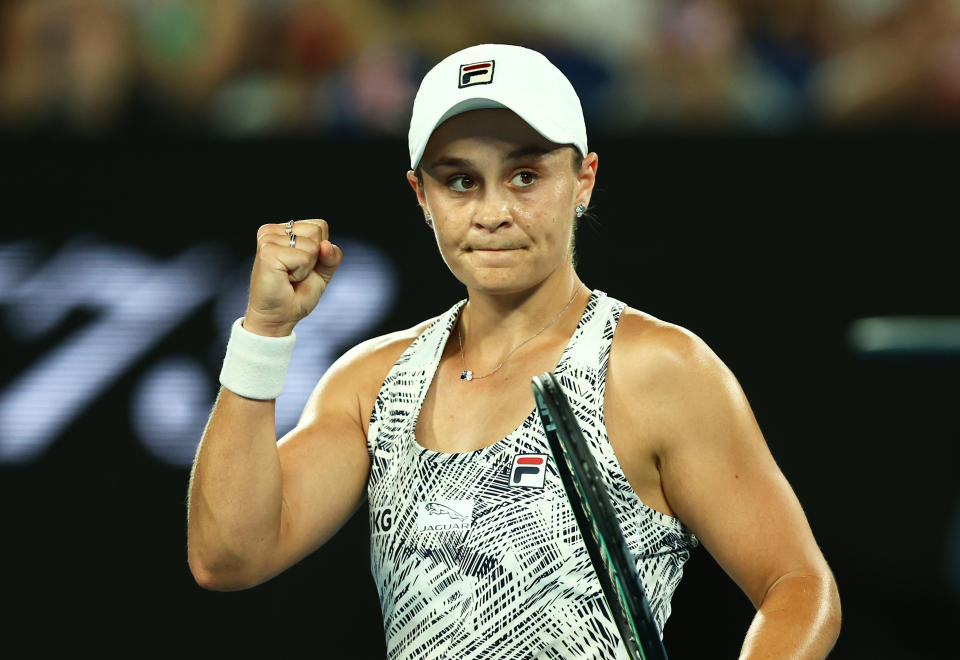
587, 178
418, 190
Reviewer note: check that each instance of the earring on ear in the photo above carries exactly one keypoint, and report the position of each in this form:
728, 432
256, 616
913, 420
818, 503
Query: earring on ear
429, 220
581, 209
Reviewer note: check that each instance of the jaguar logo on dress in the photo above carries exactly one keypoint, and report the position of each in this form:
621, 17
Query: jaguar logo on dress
444, 515
529, 470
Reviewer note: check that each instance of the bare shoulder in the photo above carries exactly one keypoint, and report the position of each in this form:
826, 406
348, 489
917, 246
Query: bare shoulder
666, 380
360, 371
377, 355
648, 349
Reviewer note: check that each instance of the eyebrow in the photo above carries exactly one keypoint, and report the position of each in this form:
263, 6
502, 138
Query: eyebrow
522, 152
531, 150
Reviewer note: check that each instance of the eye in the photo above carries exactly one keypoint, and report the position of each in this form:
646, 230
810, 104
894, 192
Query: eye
524, 179
461, 183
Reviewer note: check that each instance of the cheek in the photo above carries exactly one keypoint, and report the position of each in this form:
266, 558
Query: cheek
551, 212
561, 199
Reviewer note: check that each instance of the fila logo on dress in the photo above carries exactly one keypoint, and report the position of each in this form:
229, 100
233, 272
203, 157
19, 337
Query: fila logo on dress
529, 470
478, 73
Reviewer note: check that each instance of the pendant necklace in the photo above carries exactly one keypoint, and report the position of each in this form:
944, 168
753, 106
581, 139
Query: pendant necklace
466, 374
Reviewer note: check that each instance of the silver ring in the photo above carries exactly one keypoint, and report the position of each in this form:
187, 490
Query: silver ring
293, 240
289, 228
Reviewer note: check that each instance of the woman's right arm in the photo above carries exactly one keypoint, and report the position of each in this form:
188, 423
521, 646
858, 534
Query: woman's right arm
256, 507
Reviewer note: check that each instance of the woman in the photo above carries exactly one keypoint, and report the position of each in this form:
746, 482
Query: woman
472, 555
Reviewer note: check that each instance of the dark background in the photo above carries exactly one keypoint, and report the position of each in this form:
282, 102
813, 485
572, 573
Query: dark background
768, 247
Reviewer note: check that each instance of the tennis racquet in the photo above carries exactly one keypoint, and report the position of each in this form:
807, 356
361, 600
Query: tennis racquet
597, 522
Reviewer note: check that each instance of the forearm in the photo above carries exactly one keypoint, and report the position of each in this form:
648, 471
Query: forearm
235, 493
799, 619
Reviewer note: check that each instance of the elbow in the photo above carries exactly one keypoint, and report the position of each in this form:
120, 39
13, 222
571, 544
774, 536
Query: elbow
206, 578
827, 616
217, 576
834, 613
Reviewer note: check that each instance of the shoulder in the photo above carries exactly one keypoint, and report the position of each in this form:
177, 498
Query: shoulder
369, 362
668, 377
353, 381
648, 349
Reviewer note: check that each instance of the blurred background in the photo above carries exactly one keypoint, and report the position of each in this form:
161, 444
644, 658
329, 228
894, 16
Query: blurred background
773, 176
243, 68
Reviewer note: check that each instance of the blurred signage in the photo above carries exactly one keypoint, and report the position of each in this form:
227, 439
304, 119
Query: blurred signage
135, 301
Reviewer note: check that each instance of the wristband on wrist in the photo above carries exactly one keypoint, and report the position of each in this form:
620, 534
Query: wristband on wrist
255, 366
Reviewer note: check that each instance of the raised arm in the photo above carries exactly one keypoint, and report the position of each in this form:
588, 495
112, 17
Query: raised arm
719, 478
255, 508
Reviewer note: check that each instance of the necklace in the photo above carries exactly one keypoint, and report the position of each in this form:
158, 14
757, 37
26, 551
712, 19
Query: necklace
466, 374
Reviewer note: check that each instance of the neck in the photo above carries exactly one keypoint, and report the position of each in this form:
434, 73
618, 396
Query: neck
494, 323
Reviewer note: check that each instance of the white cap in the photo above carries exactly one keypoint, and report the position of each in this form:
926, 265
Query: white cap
498, 76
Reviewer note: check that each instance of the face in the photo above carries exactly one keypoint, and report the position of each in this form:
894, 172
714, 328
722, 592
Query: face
502, 199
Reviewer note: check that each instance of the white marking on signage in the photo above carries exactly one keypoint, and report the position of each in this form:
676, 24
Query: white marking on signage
139, 300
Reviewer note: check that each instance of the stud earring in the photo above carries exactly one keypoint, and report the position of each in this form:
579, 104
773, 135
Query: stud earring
581, 209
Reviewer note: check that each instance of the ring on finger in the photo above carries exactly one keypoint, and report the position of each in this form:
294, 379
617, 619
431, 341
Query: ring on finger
293, 240
288, 228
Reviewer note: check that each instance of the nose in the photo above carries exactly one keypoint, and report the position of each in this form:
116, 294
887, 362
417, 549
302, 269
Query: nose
493, 212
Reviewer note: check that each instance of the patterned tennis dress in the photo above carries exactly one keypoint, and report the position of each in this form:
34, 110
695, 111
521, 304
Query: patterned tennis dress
477, 555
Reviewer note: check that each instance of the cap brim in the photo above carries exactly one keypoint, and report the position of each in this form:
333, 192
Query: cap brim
540, 123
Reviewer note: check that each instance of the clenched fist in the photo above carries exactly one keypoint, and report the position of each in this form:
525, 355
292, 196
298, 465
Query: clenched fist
295, 262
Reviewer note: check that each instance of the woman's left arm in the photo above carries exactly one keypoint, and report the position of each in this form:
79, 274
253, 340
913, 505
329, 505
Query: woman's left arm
720, 479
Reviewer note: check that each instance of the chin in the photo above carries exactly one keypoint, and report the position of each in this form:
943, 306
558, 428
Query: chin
504, 274
501, 280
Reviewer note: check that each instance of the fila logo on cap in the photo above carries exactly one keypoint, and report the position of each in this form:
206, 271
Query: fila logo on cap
528, 470
478, 73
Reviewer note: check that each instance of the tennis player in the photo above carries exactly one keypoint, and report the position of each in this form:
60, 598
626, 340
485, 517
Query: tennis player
474, 549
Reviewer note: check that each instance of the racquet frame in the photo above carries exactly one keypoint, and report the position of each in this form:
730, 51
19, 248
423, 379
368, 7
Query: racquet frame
597, 522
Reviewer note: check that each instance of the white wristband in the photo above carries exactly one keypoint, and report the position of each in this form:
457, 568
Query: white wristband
255, 366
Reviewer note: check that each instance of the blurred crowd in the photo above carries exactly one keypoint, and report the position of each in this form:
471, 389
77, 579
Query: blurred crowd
282, 67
